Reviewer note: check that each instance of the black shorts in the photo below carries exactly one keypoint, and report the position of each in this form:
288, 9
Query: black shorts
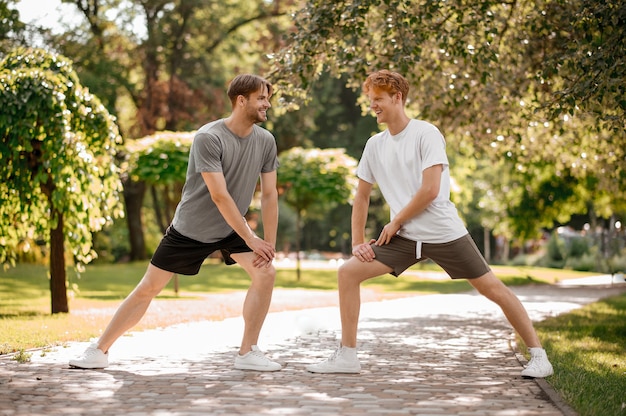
460, 258
179, 254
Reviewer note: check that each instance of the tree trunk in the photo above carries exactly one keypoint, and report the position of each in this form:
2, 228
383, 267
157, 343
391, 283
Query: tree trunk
298, 230
133, 202
487, 243
158, 211
506, 250
58, 285
169, 206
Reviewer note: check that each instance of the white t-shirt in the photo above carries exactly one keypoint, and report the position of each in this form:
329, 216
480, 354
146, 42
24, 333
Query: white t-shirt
396, 164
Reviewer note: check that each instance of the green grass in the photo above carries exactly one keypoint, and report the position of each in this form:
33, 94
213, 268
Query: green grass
586, 346
588, 350
24, 290
26, 323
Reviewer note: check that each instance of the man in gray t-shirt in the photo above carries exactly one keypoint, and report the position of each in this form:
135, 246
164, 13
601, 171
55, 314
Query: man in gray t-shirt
226, 160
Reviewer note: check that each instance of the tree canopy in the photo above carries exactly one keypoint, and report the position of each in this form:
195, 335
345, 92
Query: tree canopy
564, 55
168, 70
538, 85
312, 181
160, 160
529, 95
58, 179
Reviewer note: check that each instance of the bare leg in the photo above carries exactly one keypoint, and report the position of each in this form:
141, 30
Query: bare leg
258, 299
134, 306
349, 278
492, 288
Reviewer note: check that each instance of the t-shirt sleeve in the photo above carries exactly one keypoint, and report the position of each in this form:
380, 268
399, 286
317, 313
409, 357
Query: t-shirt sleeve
270, 162
207, 151
433, 149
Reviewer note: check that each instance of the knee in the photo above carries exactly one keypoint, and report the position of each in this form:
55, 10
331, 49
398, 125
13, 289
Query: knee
345, 275
152, 282
146, 290
496, 292
264, 277
342, 272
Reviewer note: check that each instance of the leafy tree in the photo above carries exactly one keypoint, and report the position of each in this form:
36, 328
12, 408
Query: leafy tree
463, 56
539, 84
337, 119
311, 181
160, 160
583, 43
58, 181
11, 28
167, 61
170, 73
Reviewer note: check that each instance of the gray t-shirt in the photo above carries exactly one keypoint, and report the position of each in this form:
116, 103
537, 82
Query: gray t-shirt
241, 159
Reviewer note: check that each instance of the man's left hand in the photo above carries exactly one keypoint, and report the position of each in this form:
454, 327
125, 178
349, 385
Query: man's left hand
387, 233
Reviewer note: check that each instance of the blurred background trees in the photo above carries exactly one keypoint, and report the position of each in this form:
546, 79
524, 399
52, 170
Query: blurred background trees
312, 183
530, 97
530, 89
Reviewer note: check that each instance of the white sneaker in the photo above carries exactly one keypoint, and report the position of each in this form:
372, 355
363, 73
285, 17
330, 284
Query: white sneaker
343, 360
91, 358
539, 366
255, 360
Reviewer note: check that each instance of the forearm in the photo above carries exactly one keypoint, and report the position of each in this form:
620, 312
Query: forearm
358, 220
232, 216
424, 196
269, 216
420, 201
225, 203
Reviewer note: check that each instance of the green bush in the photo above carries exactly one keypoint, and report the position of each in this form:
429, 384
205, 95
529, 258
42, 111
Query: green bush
573, 253
556, 250
577, 247
618, 262
585, 263
520, 260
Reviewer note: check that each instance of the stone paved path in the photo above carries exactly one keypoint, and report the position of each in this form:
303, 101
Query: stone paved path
426, 355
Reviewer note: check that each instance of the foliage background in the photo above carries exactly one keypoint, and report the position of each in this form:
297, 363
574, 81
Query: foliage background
528, 94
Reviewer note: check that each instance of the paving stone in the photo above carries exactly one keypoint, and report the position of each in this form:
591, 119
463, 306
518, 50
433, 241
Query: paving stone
427, 355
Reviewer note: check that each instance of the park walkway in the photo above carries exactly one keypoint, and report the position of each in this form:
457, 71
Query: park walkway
424, 355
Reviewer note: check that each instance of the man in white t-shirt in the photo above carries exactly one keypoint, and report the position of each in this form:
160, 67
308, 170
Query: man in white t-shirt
408, 162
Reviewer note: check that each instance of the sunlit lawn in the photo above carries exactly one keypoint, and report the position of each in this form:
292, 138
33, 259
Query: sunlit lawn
24, 290
588, 350
25, 320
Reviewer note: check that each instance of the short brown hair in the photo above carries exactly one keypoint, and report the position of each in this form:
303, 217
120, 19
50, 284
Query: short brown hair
246, 84
388, 81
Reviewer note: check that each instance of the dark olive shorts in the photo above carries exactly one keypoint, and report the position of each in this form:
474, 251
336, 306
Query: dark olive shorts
179, 254
460, 258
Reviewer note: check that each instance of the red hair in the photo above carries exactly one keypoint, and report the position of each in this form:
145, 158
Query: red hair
388, 81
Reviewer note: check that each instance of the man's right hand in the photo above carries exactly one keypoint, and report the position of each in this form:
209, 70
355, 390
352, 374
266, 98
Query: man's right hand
265, 252
364, 251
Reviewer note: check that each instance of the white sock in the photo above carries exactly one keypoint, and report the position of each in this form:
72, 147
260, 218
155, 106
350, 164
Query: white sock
349, 351
537, 351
